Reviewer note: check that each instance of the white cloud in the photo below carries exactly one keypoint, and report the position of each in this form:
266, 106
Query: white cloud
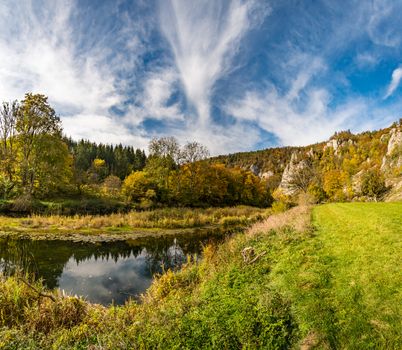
204, 35
48, 47
393, 85
300, 116
367, 59
41, 53
158, 88
383, 25
102, 129
38, 55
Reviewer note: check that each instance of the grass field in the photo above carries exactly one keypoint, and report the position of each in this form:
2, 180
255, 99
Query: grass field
345, 282
329, 278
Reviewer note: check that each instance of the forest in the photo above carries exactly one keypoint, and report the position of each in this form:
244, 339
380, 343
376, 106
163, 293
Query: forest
40, 166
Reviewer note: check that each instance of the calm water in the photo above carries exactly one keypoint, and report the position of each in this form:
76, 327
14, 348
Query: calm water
104, 272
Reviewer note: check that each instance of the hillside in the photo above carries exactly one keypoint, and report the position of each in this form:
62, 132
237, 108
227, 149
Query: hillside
333, 170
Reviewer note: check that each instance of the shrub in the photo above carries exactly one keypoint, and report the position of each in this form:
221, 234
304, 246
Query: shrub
373, 184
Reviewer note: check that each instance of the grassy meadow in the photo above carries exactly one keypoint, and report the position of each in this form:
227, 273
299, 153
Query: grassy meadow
345, 281
327, 277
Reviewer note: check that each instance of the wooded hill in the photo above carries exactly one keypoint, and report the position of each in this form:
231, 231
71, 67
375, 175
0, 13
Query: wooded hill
347, 167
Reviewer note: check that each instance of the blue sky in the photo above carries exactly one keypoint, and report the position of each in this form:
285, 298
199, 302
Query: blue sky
233, 75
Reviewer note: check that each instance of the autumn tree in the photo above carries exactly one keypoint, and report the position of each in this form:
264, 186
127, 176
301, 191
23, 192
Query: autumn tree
112, 186
333, 184
139, 188
36, 124
164, 154
190, 156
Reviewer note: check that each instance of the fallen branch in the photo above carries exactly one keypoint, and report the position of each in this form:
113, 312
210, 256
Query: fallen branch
38, 291
249, 256
247, 253
257, 257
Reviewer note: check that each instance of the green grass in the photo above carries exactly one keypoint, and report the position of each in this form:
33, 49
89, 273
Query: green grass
345, 282
335, 285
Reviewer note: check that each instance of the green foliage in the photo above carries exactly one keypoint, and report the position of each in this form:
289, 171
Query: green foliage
279, 207
373, 184
119, 161
317, 192
36, 160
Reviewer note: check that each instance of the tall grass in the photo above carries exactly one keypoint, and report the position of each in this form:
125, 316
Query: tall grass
168, 218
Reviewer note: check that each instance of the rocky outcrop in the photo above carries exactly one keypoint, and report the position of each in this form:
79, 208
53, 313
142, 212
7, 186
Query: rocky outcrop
357, 180
254, 169
393, 157
266, 175
338, 144
395, 140
291, 175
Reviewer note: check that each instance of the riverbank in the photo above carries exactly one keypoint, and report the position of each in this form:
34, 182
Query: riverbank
132, 225
322, 277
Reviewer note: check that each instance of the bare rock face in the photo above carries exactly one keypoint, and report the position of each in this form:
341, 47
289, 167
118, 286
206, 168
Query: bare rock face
291, 170
393, 158
267, 175
357, 182
332, 144
338, 144
395, 140
255, 169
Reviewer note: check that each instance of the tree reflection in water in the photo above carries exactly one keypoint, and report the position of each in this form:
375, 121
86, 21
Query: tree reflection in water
101, 272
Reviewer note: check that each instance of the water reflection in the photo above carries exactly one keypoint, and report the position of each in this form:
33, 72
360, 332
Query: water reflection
103, 272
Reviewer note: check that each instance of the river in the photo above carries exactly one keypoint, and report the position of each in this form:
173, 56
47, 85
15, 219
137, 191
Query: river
103, 273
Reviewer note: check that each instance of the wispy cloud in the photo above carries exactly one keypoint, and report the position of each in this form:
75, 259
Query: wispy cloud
41, 52
204, 36
301, 114
393, 85
383, 25
38, 54
155, 99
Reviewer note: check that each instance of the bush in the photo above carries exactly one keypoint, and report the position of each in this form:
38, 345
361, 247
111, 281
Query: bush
280, 206
317, 192
373, 184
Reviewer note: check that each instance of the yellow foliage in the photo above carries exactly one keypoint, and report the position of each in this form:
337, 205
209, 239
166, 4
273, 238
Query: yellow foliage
98, 163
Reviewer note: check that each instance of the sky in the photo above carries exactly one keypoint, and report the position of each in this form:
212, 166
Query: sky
233, 75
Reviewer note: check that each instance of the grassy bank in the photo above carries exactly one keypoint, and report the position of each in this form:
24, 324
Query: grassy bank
130, 224
289, 282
